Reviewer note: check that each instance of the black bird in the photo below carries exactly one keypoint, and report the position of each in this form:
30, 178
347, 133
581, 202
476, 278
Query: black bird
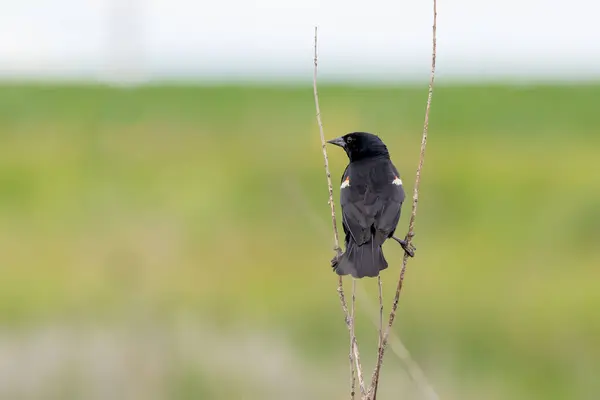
371, 197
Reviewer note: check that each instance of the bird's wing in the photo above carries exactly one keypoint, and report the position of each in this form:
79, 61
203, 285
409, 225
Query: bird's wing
371, 201
344, 175
357, 216
391, 197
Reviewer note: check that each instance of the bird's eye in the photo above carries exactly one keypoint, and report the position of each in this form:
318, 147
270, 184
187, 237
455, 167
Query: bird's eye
349, 139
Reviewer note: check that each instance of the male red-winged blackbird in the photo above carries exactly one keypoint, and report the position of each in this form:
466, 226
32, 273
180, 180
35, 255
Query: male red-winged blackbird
371, 197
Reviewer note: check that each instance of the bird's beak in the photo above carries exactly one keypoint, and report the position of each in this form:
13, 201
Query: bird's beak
338, 142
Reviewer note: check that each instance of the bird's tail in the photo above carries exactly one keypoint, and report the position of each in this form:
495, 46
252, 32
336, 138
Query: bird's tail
361, 261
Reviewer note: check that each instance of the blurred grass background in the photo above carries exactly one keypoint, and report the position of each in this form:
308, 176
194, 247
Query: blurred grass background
174, 242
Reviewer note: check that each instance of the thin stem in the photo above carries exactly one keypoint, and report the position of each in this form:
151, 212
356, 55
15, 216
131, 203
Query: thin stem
361, 382
411, 224
397, 346
380, 312
354, 354
324, 149
352, 335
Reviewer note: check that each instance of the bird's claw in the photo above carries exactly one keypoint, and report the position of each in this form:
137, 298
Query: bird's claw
335, 260
409, 248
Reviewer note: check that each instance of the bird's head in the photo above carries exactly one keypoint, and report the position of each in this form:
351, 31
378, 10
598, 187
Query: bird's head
361, 145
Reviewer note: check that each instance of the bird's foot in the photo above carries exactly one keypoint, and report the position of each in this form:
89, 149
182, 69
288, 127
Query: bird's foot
409, 248
335, 260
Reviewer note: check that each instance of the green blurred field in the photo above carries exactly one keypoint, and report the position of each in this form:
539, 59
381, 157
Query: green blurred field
134, 207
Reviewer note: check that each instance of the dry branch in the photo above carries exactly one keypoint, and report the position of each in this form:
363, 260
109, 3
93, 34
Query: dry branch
395, 343
380, 326
411, 225
397, 346
354, 354
352, 335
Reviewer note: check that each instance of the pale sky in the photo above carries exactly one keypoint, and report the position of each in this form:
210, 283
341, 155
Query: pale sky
379, 39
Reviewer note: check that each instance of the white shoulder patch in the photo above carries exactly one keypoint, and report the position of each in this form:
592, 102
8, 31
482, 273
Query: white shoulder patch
346, 183
397, 181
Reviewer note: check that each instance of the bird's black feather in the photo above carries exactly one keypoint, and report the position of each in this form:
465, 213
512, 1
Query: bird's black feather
371, 198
